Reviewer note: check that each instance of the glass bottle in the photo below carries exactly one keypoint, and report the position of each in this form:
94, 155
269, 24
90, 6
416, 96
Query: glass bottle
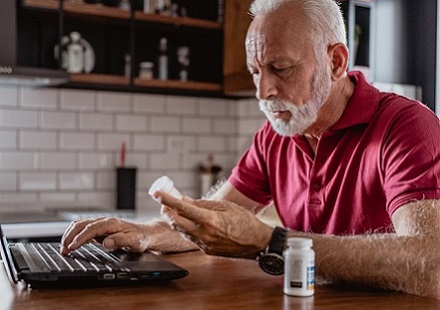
163, 59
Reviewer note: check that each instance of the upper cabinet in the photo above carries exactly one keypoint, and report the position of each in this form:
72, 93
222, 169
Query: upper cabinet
237, 80
170, 47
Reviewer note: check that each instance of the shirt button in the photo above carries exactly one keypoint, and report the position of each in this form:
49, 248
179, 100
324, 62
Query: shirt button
316, 186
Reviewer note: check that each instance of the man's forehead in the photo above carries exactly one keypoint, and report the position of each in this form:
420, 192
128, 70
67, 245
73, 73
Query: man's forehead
255, 42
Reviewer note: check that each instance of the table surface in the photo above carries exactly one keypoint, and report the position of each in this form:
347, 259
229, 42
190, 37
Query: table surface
212, 283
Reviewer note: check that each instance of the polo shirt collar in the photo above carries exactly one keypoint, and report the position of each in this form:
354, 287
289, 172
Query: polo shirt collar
362, 105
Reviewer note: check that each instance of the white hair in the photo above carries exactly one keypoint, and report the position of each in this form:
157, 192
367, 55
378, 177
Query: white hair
324, 19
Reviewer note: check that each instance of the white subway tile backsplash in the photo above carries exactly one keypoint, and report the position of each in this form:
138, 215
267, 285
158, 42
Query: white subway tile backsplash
147, 142
8, 139
18, 198
181, 144
46, 98
77, 141
38, 140
114, 101
131, 123
78, 100
107, 180
165, 162
138, 160
105, 199
96, 121
213, 107
113, 141
18, 161
18, 119
165, 124
181, 105
61, 147
225, 126
241, 108
250, 108
58, 199
250, 126
243, 143
38, 181
212, 144
96, 161
57, 161
184, 179
8, 96
197, 125
8, 181
76, 181
145, 179
192, 161
149, 103
57, 120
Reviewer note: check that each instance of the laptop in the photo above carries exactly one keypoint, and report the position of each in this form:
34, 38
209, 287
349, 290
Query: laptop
39, 265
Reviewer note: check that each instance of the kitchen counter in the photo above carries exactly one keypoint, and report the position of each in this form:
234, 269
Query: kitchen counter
53, 223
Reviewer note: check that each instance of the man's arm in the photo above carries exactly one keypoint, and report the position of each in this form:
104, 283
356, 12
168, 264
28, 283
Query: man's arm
407, 261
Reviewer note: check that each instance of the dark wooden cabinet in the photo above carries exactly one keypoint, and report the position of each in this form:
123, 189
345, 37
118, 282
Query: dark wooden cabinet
237, 80
114, 33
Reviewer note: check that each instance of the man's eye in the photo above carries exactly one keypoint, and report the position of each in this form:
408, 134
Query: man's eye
281, 70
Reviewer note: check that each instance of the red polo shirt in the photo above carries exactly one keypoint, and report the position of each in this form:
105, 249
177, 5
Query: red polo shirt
383, 152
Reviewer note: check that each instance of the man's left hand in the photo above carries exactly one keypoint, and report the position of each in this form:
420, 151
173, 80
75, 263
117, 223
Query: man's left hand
218, 227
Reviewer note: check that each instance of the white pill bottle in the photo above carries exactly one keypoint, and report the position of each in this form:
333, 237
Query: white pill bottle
299, 267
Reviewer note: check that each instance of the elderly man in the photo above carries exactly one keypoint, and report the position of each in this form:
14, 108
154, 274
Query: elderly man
356, 170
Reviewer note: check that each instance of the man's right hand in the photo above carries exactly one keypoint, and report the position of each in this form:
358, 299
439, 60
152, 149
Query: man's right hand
113, 233
116, 233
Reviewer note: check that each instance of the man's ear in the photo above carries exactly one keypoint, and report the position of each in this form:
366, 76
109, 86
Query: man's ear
338, 54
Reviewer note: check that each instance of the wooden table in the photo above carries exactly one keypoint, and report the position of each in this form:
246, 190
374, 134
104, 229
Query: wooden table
212, 283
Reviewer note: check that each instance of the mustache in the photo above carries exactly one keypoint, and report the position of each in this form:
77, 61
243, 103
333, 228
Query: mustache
275, 105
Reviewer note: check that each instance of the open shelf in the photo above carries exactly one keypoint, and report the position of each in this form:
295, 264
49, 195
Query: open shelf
178, 21
121, 32
138, 82
93, 10
200, 86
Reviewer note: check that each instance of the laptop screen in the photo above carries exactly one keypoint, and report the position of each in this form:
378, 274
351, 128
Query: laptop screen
7, 257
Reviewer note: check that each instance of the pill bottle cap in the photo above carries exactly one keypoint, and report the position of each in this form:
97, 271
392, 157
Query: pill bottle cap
299, 242
163, 183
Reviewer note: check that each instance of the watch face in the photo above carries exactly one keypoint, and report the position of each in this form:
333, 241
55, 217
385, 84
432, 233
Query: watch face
272, 263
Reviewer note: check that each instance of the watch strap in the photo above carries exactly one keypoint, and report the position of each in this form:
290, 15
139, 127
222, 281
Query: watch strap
277, 241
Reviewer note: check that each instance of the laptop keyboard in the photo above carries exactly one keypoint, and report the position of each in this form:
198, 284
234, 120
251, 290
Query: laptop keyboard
89, 257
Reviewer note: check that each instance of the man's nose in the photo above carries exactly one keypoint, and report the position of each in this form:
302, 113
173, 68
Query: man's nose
266, 86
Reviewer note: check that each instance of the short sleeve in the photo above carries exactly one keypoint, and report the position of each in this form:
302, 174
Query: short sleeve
411, 157
250, 175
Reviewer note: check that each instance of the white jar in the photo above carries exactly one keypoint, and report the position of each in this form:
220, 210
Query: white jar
299, 267
146, 70
166, 185
75, 54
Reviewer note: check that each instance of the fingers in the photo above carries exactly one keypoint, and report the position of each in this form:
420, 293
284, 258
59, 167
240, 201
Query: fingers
178, 222
184, 208
80, 232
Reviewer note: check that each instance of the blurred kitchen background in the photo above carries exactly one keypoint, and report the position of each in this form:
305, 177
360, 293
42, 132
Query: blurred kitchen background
60, 146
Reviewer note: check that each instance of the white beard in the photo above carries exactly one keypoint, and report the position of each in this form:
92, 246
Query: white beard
304, 115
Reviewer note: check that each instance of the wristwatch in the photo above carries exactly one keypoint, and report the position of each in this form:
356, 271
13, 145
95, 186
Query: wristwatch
271, 260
